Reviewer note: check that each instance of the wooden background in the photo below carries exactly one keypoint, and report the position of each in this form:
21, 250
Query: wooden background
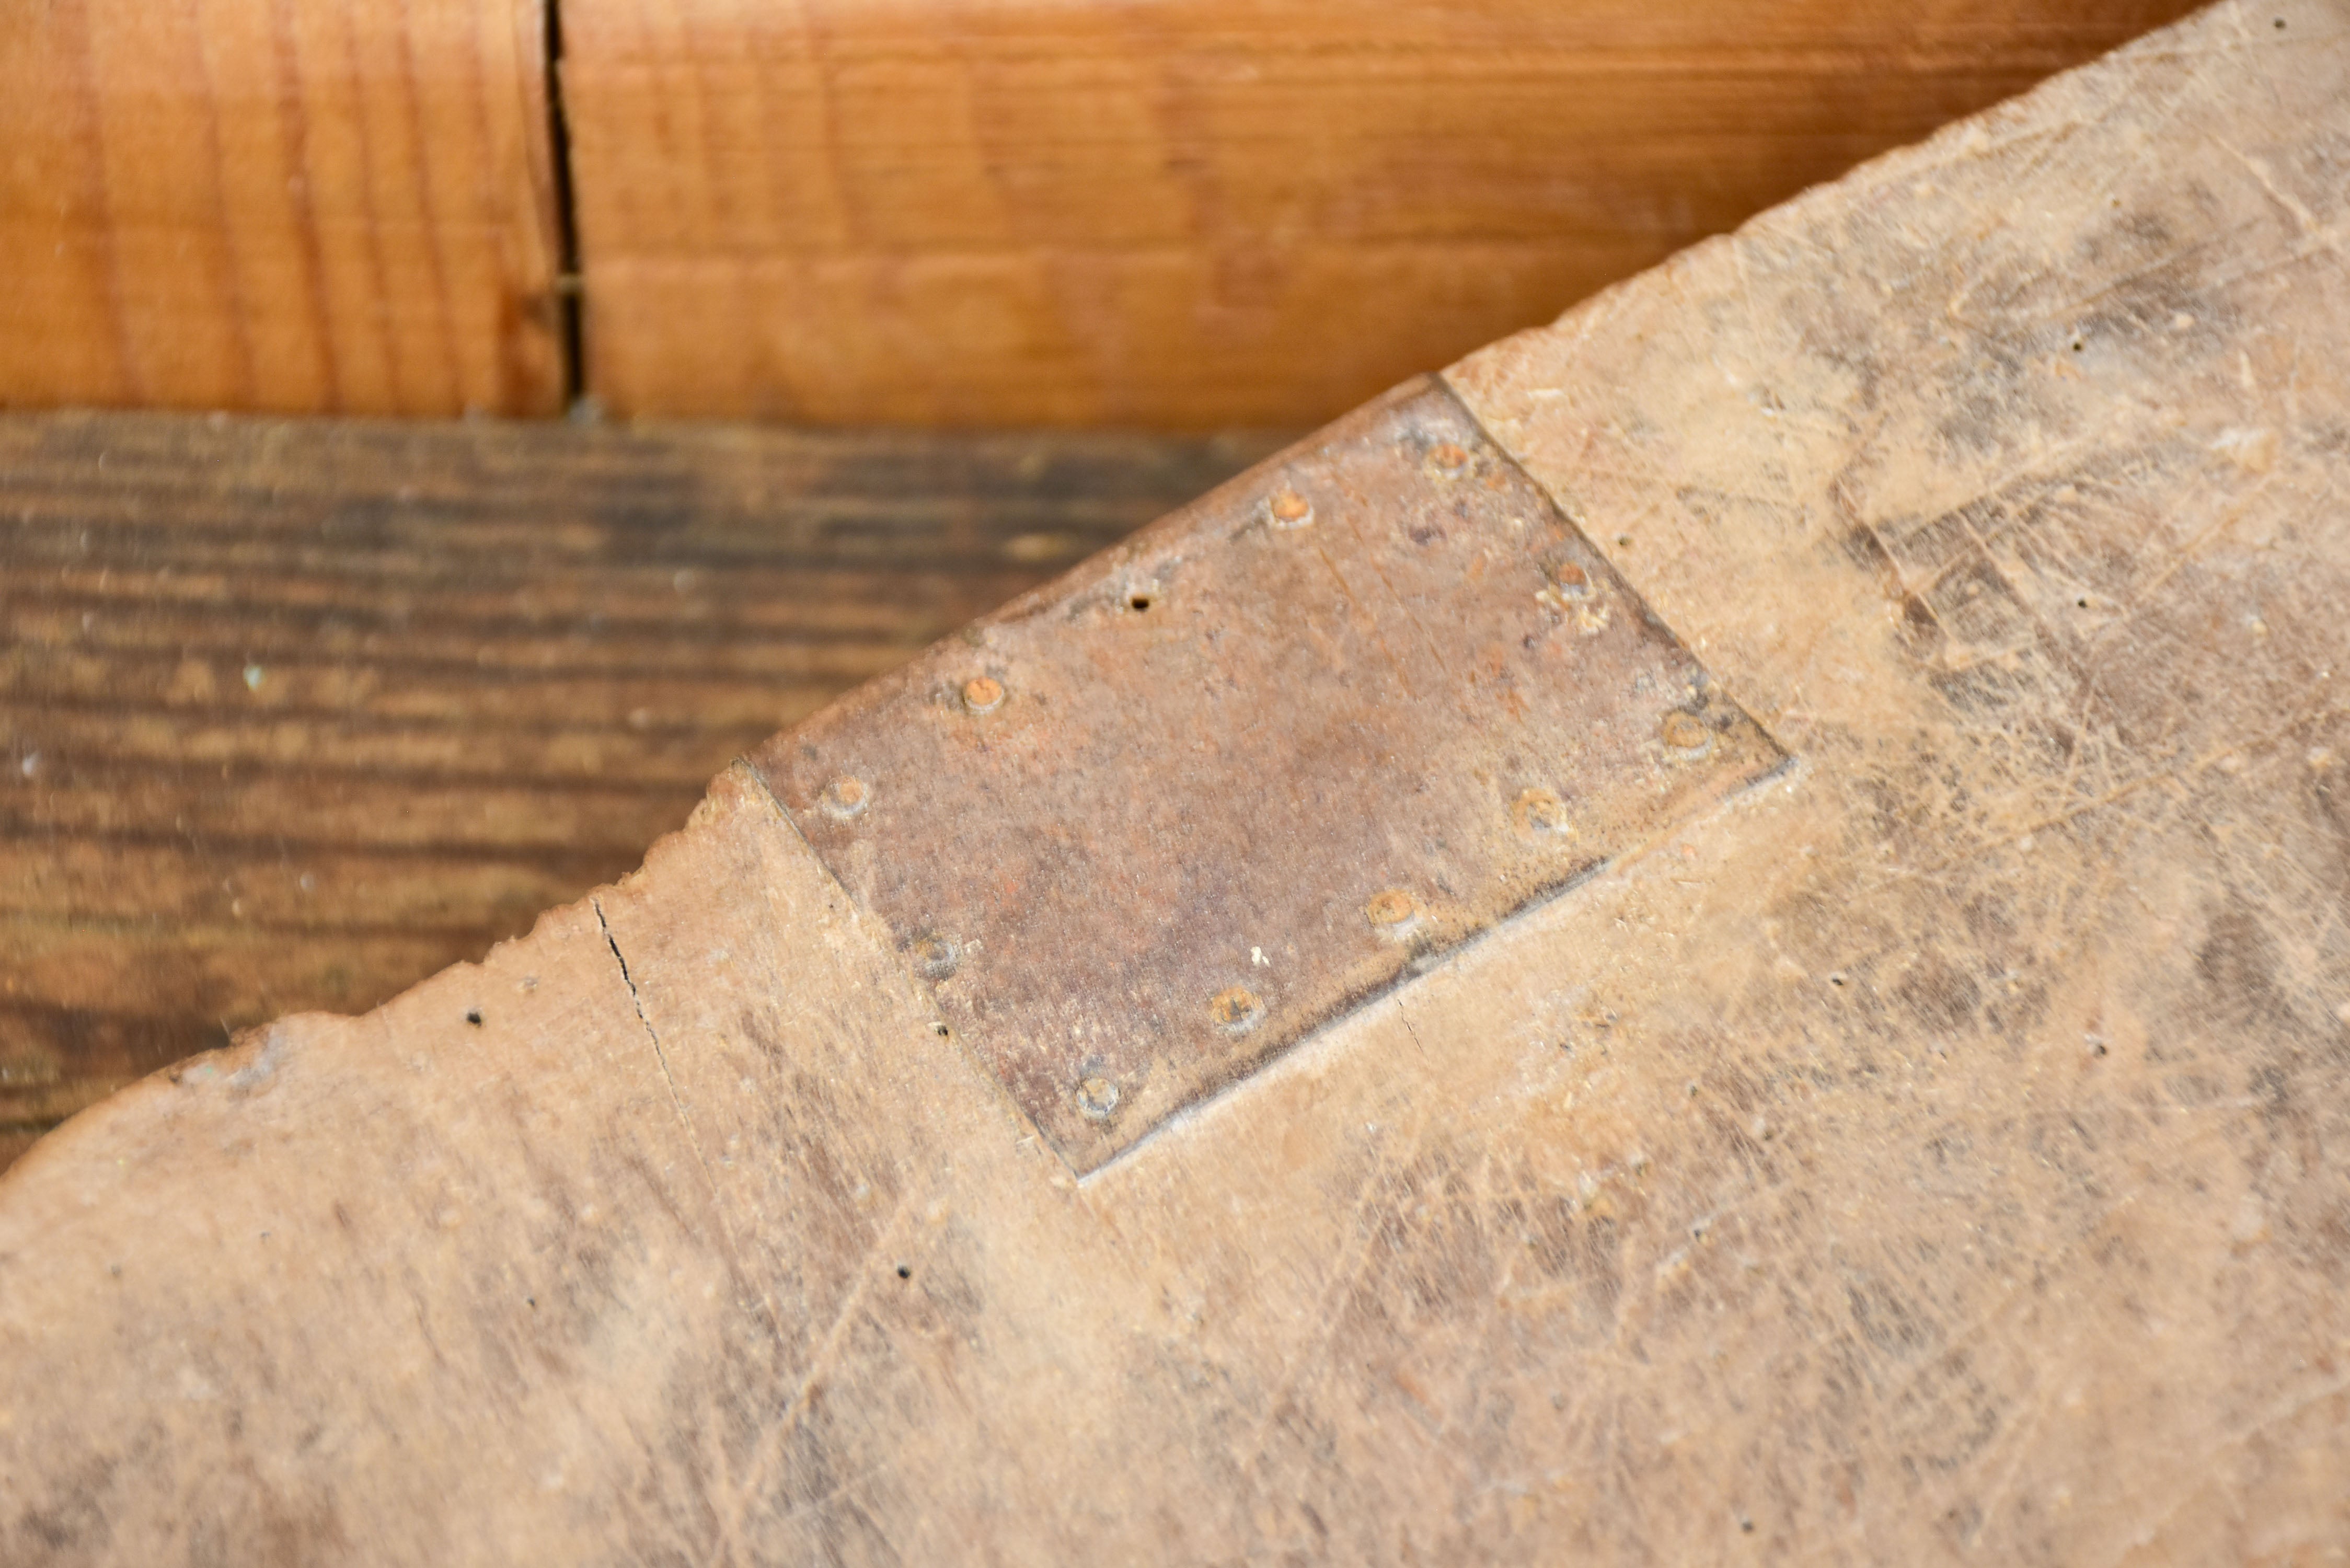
294, 715
1171, 214
312, 205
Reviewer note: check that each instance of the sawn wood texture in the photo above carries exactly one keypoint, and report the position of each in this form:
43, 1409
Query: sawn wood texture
1935, 1154
1185, 214
1146, 213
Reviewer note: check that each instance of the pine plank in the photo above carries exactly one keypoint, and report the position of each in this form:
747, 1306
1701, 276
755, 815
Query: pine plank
312, 206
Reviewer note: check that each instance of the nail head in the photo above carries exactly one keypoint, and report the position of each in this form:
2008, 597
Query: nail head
1540, 810
1097, 1097
1685, 731
1236, 1008
846, 797
936, 957
982, 693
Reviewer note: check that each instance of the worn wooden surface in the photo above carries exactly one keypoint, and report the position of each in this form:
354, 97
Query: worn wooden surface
313, 206
1193, 213
294, 715
1934, 1153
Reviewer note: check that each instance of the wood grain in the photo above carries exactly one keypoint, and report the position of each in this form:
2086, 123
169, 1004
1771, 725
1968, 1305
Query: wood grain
295, 715
1178, 214
1186, 214
305, 205
1937, 1154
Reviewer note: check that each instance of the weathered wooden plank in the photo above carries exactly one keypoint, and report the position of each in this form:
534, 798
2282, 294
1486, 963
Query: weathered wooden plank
1186, 214
1934, 1154
295, 715
312, 205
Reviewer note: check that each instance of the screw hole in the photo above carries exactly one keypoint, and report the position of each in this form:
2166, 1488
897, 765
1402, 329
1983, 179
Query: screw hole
474, 1016
2081, 604
1138, 602
905, 1271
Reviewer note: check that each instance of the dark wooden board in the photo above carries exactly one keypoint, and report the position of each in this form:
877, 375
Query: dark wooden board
295, 713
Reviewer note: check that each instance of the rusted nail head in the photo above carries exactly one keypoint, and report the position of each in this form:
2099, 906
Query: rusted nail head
1392, 908
1570, 577
845, 796
1448, 456
1097, 1097
936, 957
1236, 1008
1540, 810
1289, 509
1685, 731
982, 693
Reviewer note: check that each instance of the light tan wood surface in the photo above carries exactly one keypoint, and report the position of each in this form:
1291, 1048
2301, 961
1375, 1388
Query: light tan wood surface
1933, 1152
303, 205
1186, 214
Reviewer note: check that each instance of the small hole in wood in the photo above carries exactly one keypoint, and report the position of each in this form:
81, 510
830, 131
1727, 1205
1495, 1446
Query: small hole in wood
905, 1271
474, 1016
1139, 602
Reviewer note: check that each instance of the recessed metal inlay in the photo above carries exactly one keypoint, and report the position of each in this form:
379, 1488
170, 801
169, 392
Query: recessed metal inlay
1323, 757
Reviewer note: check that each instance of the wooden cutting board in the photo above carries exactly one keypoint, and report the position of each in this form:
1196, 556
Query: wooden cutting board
1720, 935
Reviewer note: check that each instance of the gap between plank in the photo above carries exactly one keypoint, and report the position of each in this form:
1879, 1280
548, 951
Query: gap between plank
569, 284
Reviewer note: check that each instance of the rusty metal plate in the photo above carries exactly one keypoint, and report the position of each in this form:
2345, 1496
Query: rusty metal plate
1145, 828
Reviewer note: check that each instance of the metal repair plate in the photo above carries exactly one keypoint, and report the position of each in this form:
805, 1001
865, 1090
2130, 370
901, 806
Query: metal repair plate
1146, 827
